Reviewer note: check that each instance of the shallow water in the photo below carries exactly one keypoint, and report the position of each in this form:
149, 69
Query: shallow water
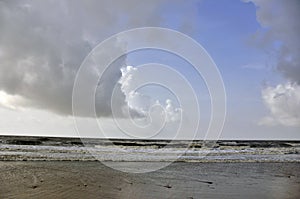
43, 148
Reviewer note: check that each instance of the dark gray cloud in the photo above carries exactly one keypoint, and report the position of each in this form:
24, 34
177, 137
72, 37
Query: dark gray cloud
42, 44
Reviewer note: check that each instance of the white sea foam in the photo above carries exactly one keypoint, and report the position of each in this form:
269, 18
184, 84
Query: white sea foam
123, 152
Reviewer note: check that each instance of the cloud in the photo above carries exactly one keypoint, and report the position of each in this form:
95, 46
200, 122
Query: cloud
42, 44
12, 102
141, 104
280, 20
283, 102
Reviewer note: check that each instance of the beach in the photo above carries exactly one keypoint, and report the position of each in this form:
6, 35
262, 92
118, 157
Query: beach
49, 167
158, 99
67, 179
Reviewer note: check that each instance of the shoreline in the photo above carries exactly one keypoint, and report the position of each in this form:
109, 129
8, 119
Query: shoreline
33, 167
14, 148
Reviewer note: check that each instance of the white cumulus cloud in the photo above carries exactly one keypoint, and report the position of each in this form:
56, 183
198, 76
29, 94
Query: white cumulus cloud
141, 103
283, 102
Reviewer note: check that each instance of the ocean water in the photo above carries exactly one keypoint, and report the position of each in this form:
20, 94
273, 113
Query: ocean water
74, 149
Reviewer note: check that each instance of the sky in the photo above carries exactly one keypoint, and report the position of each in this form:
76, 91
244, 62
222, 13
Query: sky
253, 43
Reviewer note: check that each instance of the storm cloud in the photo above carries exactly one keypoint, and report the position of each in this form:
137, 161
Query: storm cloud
43, 43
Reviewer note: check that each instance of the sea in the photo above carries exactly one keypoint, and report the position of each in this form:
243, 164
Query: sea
27, 148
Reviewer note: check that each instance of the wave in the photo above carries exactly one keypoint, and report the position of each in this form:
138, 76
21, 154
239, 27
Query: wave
75, 149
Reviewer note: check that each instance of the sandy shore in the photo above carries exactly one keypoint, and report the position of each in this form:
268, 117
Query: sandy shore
179, 180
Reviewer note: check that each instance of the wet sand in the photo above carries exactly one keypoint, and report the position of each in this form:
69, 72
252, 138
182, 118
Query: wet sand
67, 179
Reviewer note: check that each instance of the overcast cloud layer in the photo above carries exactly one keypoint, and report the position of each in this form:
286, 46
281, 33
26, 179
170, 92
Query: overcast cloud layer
42, 44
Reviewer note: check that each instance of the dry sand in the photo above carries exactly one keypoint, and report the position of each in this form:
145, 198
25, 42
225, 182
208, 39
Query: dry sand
179, 180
